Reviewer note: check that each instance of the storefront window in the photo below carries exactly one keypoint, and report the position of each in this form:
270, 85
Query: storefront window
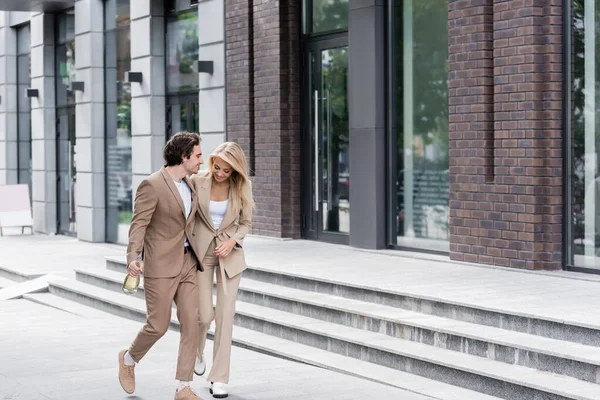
182, 51
66, 138
24, 110
585, 134
118, 121
65, 59
325, 15
420, 127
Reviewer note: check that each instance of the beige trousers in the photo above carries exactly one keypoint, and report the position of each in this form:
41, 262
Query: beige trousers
223, 315
160, 294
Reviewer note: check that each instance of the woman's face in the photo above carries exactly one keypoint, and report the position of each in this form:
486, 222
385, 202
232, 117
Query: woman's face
221, 170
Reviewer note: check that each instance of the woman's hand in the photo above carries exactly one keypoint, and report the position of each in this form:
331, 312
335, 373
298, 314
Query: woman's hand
225, 248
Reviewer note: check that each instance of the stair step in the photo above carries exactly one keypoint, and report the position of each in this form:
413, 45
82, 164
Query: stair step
574, 331
268, 344
60, 303
506, 381
4, 282
572, 359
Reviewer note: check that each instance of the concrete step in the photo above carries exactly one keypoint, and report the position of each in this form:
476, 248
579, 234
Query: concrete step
571, 331
60, 303
451, 367
134, 308
551, 355
18, 275
4, 282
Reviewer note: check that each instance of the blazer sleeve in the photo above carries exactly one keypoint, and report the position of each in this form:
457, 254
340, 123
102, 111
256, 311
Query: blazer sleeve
144, 206
244, 222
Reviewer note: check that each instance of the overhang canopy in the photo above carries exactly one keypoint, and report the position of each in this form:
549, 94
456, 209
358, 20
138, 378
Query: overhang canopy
36, 5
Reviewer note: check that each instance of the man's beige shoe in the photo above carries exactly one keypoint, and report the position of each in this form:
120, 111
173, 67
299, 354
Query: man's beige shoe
186, 394
126, 374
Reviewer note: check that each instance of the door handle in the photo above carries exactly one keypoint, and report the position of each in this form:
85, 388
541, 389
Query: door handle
316, 130
330, 183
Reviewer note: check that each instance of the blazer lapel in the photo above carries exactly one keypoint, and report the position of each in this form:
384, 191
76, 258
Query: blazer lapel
229, 217
194, 198
174, 190
204, 201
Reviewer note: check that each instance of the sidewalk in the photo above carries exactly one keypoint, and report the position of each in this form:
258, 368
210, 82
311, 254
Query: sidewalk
558, 296
48, 354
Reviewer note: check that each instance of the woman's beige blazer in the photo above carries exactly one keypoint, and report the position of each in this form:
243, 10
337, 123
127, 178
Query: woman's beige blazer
232, 227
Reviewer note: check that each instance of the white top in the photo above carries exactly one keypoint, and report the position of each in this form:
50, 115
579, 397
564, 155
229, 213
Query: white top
217, 212
186, 195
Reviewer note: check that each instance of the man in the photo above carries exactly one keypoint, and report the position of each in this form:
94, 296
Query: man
160, 228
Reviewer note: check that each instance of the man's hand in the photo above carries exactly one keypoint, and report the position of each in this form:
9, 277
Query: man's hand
134, 268
225, 248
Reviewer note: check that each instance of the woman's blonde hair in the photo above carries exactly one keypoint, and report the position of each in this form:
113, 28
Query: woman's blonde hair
240, 192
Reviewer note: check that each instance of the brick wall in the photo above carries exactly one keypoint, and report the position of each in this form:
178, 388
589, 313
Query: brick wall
263, 106
505, 132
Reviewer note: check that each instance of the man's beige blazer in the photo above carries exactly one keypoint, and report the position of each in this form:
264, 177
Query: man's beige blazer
159, 224
233, 226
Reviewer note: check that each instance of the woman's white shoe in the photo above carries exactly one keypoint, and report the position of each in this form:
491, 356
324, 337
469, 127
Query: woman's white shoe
218, 391
200, 366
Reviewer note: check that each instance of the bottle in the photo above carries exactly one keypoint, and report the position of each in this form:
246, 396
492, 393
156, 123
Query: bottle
131, 283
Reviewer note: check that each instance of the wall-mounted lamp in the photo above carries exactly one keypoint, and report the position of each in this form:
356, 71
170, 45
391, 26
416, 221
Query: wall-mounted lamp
32, 93
204, 66
133, 77
78, 85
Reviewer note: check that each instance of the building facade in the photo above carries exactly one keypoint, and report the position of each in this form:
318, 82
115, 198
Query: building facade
465, 128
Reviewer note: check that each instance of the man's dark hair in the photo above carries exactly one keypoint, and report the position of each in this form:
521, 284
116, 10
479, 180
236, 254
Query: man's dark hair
180, 146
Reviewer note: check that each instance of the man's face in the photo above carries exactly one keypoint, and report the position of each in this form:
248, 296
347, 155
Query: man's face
194, 161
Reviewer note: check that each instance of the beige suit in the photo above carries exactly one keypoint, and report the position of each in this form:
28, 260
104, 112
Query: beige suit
228, 270
160, 226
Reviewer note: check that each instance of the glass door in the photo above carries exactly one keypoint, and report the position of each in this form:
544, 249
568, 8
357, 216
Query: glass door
327, 134
67, 171
182, 114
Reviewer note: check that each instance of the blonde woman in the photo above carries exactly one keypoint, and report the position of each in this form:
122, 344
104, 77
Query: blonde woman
223, 219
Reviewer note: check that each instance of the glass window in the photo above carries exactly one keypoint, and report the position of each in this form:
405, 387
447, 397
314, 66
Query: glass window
324, 15
182, 51
327, 15
23, 106
420, 76
118, 121
585, 140
65, 58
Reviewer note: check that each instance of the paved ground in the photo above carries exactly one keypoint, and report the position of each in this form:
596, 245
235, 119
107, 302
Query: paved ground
49, 354
46, 354
560, 296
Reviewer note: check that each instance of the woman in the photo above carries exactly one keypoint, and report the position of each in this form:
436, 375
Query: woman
223, 219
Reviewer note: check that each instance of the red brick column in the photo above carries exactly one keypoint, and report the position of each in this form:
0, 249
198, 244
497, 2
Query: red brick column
263, 100
514, 219
471, 126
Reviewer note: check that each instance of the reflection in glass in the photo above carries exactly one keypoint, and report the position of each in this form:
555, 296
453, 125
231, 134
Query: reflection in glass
329, 15
585, 177
182, 51
421, 58
65, 59
66, 138
334, 140
118, 121
23, 105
